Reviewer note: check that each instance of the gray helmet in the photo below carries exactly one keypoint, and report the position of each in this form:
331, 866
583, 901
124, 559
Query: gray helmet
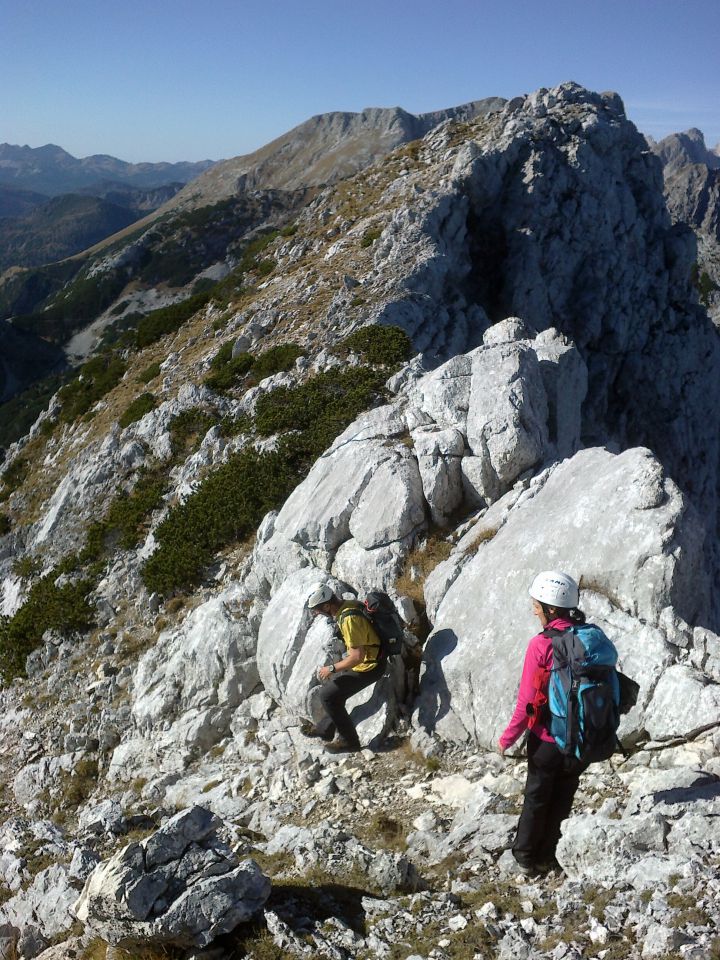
556, 589
321, 594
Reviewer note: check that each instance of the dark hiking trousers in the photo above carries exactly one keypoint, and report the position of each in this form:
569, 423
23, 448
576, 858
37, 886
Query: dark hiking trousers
549, 792
335, 693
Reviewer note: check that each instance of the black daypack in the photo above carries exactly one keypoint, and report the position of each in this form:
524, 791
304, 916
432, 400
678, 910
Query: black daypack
385, 620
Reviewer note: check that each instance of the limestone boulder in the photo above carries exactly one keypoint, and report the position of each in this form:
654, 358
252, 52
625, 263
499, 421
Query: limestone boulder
616, 523
317, 513
596, 848
206, 666
45, 906
507, 414
391, 507
181, 886
439, 454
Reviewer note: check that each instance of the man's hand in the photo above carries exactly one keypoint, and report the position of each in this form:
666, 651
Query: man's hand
324, 672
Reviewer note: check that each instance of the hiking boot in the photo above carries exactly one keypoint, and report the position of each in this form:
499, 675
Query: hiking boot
343, 746
549, 866
525, 869
310, 730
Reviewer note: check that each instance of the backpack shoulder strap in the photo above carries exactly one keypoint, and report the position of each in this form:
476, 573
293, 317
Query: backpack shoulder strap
358, 611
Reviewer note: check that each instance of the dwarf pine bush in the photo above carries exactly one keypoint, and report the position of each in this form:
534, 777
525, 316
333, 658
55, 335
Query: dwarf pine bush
138, 408
228, 506
227, 371
166, 320
64, 609
96, 378
231, 502
378, 345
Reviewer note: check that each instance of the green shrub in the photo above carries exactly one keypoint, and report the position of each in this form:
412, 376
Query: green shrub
124, 523
276, 360
231, 502
21, 412
264, 267
226, 369
322, 406
4, 524
188, 429
138, 408
64, 609
703, 283
166, 320
289, 231
379, 345
96, 378
227, 507
369, 237
26, 567
149, 373
251, 253
14, 475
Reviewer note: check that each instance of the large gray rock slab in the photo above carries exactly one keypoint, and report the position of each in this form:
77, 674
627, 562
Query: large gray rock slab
205, 664
507, 414
45, 906
613, 520
180, 886
317, 513
392, 506
595, 848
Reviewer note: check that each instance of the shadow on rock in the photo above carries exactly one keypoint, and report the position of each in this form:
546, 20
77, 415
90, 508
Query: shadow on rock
434, 699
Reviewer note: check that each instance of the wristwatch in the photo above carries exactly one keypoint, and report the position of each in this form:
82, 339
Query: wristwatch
331, 667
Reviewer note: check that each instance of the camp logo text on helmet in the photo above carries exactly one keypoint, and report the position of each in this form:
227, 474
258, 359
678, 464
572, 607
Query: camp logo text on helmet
556, 589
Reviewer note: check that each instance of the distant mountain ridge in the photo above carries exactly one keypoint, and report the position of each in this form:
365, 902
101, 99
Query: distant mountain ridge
324, 149
680, 149
52, 170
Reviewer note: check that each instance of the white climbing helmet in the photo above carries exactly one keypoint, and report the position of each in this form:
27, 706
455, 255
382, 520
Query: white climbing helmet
556, 589
321, 594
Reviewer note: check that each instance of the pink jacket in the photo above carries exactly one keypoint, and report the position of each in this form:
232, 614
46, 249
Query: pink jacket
538, 656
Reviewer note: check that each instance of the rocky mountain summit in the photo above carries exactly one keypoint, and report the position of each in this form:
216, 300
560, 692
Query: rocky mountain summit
479, 357
692, 191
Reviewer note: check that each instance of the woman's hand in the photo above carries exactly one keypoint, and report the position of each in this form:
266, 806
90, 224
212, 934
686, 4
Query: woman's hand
501, 749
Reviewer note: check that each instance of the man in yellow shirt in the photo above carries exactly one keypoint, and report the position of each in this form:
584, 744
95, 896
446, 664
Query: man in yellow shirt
360, 667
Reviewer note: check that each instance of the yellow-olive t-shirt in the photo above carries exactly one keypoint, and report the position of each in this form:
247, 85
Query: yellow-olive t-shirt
357, 631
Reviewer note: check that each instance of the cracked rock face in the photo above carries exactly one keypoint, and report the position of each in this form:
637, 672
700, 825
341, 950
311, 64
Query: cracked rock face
180, 886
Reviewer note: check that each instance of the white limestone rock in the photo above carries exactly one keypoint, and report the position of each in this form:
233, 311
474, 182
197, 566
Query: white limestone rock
439, 454
593, 847
180, 886
507, 414
685, 701
391, 507
317, 513
613, 520
369, 569
206, 666
45, 906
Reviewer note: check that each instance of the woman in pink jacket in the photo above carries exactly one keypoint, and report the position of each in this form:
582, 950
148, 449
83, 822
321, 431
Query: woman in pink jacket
550, 786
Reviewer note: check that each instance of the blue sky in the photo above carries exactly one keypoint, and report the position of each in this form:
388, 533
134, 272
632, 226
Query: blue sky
190, 80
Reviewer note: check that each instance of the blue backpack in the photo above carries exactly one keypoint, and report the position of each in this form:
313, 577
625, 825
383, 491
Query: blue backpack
584, 693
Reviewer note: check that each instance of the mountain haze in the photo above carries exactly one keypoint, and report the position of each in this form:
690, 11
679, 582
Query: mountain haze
52, 170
